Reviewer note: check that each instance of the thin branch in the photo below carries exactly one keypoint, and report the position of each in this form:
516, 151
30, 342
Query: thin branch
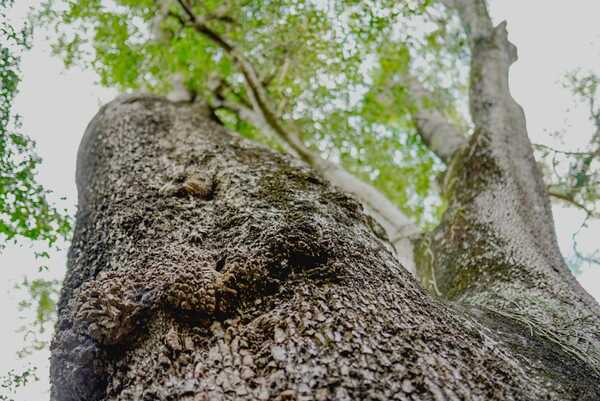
187, 9
223, 86
564, 152
590, 259
254, 84
278, 74
572, 201
178, 17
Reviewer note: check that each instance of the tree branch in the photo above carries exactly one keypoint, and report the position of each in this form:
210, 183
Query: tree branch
572, 201
563, 152
499, 207
475, 17
187, 9
435, 129
255, 118
253, 82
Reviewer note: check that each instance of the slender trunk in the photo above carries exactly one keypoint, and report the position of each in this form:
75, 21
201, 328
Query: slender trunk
206, 268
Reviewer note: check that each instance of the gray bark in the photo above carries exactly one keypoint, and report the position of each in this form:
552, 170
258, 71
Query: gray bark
496, 247
440, 135
206, 268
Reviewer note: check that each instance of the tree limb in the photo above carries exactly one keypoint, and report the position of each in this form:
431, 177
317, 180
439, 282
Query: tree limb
474, 16
435, 129
563, 152
496, 246
569, 199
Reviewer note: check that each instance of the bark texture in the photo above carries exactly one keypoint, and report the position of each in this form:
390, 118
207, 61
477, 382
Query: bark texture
206, 268
496, 247
260, 112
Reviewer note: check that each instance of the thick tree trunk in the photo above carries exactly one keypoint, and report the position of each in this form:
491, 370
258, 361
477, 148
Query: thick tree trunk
206, 268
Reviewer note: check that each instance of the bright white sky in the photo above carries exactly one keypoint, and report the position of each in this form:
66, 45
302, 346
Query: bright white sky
553, 37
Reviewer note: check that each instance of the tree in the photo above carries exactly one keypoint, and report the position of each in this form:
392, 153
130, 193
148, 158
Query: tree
203, 267
573, 175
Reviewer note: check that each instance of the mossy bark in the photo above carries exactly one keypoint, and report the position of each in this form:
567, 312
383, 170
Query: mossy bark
496, 247
206, 268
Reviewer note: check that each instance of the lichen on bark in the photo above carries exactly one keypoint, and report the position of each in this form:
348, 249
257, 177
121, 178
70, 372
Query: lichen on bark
496, 246
474, 256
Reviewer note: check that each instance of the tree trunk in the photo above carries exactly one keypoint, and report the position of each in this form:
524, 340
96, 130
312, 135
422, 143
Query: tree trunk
496, 246
206, 268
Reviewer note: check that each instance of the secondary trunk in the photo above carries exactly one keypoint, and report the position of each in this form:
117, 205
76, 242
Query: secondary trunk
496, 246
205, 268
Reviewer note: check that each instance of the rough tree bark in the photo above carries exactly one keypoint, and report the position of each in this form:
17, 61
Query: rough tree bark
496, 246
206, 268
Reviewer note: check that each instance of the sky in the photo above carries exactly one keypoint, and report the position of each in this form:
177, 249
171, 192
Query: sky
553, 37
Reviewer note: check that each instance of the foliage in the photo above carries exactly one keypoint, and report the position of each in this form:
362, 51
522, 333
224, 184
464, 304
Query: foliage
24, 208
573, 176
25, 211
10, 382
326, 65
335, 70
41, 296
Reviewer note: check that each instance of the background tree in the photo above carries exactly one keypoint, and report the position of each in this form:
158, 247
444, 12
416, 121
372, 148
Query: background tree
205, 268
572, 175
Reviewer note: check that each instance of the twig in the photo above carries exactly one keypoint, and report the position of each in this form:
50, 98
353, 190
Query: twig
569, 199
564, 152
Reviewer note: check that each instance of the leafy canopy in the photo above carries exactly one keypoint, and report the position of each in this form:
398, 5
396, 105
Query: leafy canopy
25, 211
329, 67
334, 69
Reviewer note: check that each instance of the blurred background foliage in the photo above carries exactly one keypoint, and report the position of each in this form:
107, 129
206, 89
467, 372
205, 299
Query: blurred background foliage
573, 176
332, 68
13, 380
26, 214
